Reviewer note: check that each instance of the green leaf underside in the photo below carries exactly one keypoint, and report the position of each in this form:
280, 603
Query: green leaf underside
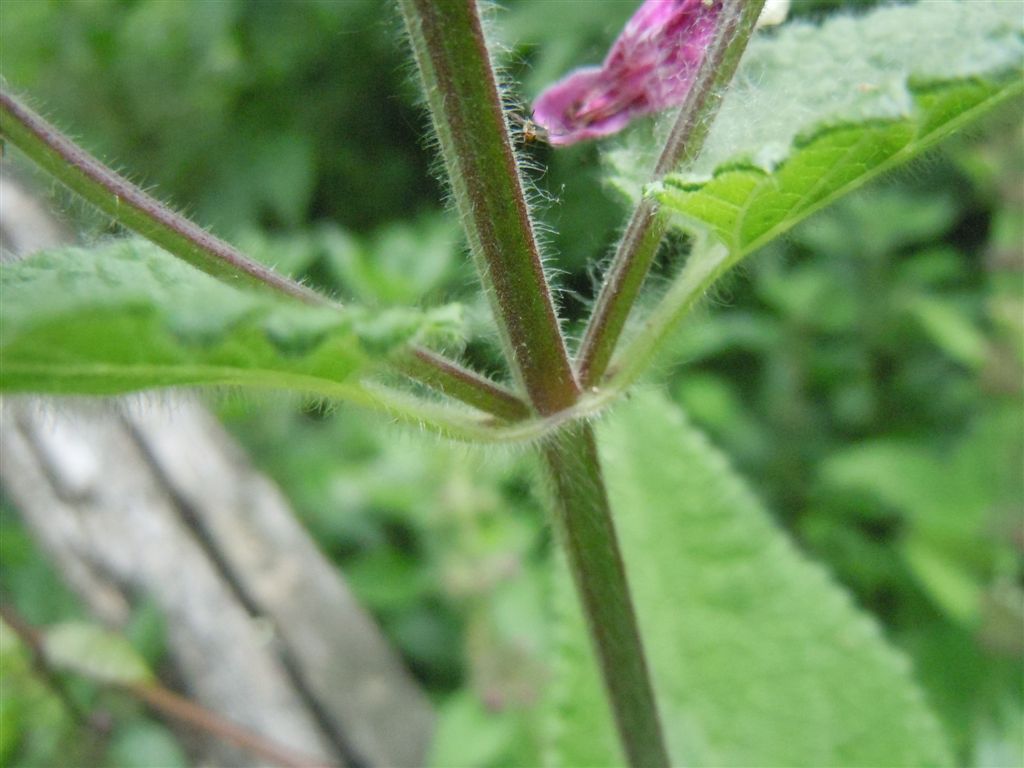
757, 656
818, 111
128, 316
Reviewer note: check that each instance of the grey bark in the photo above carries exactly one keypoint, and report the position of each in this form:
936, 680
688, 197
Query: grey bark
150, 498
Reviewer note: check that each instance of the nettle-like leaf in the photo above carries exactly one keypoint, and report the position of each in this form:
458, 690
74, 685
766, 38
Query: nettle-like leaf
757, 656
128, 316
816, 111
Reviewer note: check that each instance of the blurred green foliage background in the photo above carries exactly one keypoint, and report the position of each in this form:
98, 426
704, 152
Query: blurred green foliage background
865, 375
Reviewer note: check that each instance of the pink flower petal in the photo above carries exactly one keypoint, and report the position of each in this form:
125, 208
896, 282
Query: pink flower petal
649, 68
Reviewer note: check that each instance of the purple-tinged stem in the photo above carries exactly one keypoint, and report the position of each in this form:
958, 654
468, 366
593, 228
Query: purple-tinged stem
470, 387
462, 92
583, 519
466, 108
128, 205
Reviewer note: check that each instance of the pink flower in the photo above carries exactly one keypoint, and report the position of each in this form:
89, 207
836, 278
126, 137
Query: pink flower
649, 68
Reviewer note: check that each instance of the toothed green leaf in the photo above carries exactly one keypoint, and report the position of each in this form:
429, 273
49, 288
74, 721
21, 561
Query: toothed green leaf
128, 316
757, 656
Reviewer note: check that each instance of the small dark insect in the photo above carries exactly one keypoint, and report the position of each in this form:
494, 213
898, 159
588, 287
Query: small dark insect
532, 133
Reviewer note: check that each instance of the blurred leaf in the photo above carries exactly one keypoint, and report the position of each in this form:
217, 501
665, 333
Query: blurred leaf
937, 265
386, 580
284, 162
901, 475
42, 734
267, 177
809, 297
948, 326
970, 688
716, 405
27, 574
949, 503
142, 744
877, 224
38, 731
91, 651
399, 265
10, 727
428, 634
875, 90
128, 316
280, 112
949, 495
951, 585
725, 332
758, 657
11, 707
709, 399
1001, 741
291, 254
468, 736
579, 726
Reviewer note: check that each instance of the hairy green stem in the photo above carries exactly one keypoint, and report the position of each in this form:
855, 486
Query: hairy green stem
463, 384
448, 43
462, 92
706, 263
471, 425
647, 225
130, 206
587, 533
619, 290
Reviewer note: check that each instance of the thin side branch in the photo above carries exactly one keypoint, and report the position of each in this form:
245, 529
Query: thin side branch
32, 639
470, 387
140, 212
169, 704
647, 225
126, 203
160, 699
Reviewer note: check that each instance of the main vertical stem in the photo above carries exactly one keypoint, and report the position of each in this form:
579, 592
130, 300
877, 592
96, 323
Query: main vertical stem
452, 57
584, 523
462, 91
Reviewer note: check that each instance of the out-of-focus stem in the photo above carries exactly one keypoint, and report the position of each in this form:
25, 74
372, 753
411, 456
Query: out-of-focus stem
162, 700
